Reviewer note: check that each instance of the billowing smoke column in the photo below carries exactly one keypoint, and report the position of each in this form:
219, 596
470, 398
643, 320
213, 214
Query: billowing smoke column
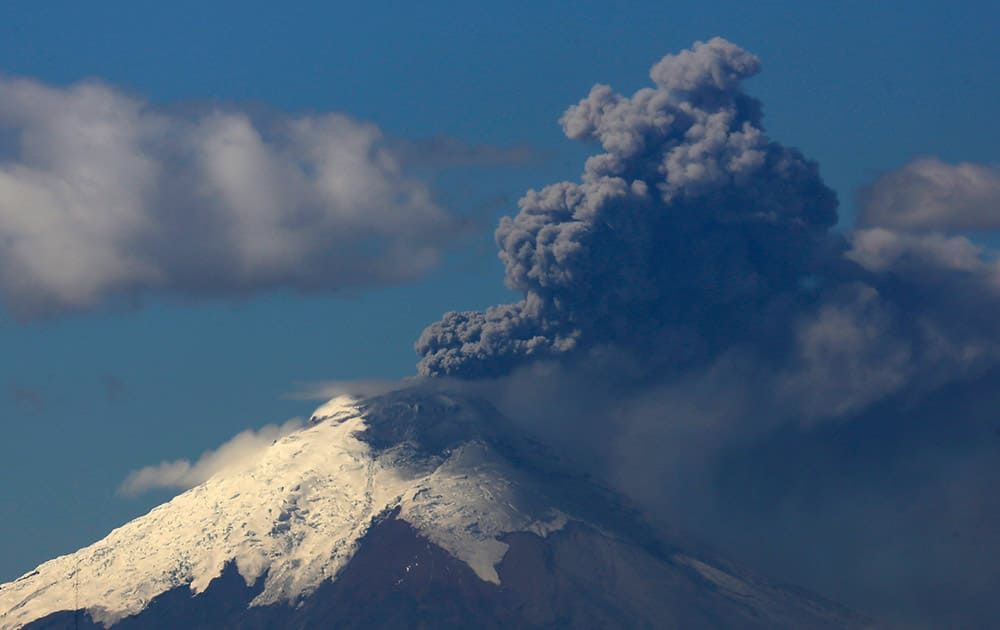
803, 397
691, 230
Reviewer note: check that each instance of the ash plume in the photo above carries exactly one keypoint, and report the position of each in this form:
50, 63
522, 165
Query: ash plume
690, 212
693, 330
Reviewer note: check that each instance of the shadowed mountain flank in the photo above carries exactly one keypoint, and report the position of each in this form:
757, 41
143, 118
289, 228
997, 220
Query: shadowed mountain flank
577, 578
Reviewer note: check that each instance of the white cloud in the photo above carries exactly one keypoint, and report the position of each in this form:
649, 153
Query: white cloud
104, 195
879, 249
930, 194
241, 451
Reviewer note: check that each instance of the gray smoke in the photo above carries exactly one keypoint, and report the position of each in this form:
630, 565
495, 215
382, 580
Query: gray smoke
689, 213
820, 404
693, 237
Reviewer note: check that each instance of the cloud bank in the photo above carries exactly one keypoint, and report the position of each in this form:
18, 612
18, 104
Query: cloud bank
242, 450
693, 331
931, 195
105, 196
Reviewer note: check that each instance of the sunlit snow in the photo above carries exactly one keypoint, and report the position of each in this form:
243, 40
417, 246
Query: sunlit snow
295, 517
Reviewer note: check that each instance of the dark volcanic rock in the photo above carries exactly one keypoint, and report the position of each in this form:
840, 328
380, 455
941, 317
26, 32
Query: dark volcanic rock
574, 578
601, 564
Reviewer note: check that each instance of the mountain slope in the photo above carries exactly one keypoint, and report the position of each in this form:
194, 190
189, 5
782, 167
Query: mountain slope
414, 508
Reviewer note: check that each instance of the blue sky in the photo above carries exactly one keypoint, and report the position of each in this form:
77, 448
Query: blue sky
87, 397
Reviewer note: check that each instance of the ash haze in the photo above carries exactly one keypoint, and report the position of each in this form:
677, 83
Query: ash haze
747, 265
692, 301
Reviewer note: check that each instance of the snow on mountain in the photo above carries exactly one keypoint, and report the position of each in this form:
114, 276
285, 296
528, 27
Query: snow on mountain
411, 504
295, 515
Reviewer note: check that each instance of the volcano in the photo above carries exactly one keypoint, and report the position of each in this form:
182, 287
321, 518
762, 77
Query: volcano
410, 509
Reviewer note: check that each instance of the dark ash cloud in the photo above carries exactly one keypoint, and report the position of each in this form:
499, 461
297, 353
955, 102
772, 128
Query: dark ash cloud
819, 404
693, 237
689, 213
104, 196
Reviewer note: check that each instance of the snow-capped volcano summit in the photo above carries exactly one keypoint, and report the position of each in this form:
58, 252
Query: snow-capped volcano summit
412, 503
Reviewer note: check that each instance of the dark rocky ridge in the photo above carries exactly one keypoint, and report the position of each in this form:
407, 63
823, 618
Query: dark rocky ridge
575, 578
607, 568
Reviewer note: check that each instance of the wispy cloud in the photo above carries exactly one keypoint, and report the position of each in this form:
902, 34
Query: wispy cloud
242, 450
929, 194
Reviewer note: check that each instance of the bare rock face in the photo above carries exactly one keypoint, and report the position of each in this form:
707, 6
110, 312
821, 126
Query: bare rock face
413, 509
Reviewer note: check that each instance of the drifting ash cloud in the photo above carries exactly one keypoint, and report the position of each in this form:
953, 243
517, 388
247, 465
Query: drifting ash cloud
929, 195
692, 330
104, 196
694, 236
240, 451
